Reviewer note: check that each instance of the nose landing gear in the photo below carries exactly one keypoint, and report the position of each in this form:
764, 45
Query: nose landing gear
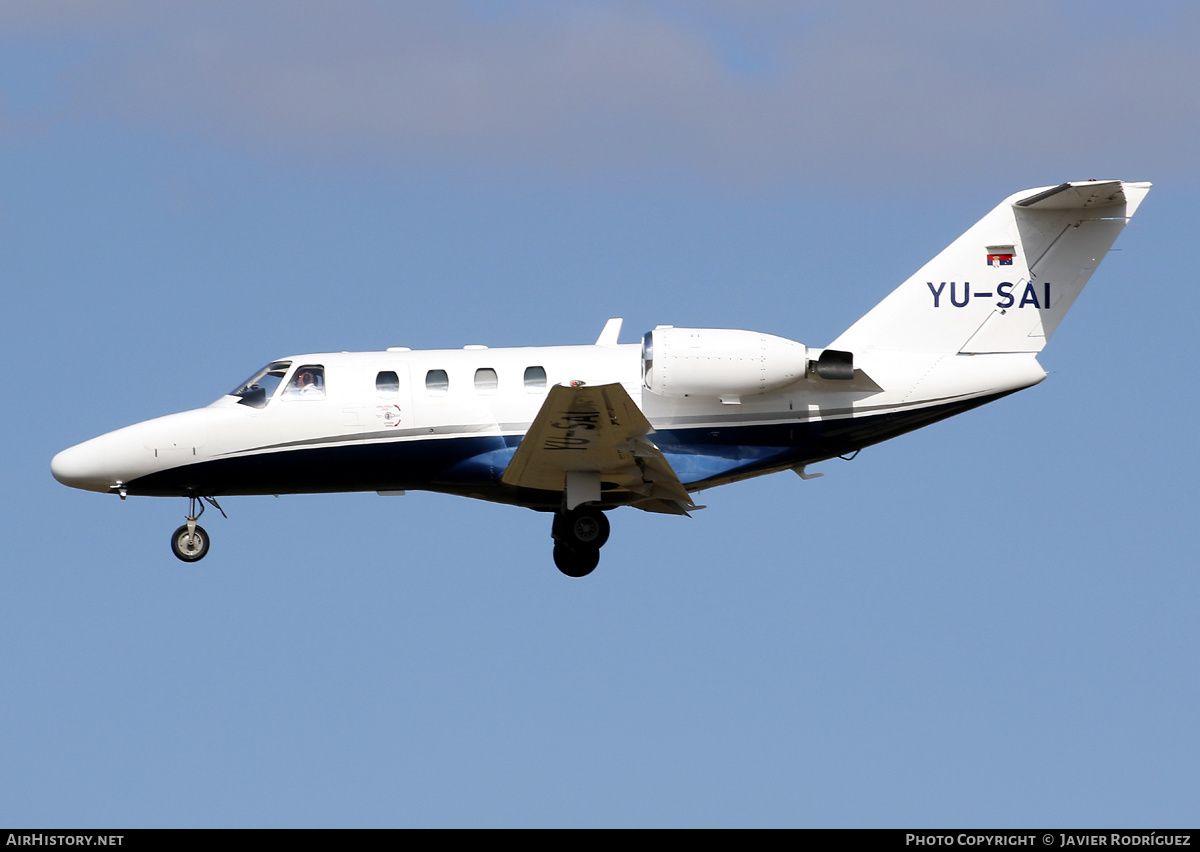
190, 542
578, 536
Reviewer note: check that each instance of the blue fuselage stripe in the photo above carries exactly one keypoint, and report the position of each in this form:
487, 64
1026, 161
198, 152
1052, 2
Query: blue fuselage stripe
699, 456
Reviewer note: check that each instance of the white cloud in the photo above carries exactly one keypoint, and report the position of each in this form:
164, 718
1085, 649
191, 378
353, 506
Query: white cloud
780, 94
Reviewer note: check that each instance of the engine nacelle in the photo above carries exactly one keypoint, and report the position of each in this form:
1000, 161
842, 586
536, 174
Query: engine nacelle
720, 362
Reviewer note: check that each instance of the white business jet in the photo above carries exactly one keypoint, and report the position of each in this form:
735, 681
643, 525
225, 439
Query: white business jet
578, 430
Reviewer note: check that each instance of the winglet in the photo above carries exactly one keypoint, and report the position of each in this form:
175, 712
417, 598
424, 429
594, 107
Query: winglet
612, 330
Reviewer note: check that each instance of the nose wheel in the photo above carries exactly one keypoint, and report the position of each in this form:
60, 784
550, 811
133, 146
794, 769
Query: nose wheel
578, 536
189, 543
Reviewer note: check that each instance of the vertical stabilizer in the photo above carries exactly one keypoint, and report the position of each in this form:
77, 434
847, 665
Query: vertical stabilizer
1004, 285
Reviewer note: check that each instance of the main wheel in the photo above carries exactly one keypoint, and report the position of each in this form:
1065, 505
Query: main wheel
582, 528
576, 563
189, 548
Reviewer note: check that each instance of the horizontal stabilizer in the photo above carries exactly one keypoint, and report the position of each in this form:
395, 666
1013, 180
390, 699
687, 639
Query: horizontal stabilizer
1076, 196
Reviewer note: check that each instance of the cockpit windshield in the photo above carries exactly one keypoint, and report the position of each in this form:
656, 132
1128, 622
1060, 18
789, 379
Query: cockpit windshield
261, 386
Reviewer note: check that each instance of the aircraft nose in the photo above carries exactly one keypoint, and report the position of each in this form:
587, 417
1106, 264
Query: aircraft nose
82, 466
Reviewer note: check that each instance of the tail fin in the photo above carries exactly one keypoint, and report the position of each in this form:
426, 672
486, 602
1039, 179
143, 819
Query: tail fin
1006, 284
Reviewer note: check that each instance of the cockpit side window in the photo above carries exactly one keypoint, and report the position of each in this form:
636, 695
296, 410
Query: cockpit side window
308, 382
257, 391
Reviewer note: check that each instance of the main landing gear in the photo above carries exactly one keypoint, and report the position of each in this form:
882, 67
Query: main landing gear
578, 536
190, 541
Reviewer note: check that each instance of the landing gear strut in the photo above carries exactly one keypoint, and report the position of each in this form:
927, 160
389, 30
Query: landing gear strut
190, 541
578, 536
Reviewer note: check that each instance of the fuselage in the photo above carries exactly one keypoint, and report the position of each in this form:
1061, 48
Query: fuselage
451, 420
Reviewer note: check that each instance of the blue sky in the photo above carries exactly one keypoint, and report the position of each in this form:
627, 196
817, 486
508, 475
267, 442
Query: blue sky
988, 622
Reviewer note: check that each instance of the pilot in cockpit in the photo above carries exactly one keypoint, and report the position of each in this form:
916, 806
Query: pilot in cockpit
307, 382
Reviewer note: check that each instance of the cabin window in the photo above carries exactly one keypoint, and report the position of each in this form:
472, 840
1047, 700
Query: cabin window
486, 380
308, 382
259, 388
387, 385
437, 382
535, 378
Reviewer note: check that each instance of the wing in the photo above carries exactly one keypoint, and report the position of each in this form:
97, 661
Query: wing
586, 440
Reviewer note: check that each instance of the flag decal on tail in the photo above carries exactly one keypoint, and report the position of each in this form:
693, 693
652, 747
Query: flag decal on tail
1000, 255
